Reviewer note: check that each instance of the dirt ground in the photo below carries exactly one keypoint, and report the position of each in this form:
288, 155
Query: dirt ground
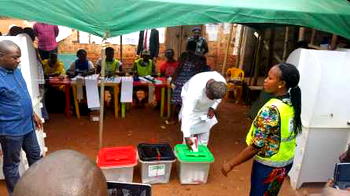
144, 125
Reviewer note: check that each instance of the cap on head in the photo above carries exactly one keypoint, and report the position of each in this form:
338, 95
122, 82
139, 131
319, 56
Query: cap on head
196, 29
145, 53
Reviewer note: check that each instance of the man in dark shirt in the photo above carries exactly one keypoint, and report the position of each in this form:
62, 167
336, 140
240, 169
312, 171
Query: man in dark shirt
17, 119
202, 45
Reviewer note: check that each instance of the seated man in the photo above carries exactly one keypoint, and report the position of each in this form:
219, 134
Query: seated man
54, 94
144, 66
112, 65
52, 66
81, 66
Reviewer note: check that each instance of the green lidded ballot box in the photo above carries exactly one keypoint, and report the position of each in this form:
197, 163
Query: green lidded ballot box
193, 167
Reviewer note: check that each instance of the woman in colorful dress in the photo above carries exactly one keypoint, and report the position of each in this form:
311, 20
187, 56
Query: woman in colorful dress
271, 138
189, 65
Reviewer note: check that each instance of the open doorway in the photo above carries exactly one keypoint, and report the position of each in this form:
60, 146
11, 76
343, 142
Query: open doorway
176, 37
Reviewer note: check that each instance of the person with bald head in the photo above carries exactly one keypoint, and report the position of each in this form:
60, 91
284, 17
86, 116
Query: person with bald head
64, 172
17, 119
201, 95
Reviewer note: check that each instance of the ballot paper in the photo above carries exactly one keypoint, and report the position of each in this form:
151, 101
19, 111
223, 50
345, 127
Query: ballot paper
93, 99
126, 90
194, 145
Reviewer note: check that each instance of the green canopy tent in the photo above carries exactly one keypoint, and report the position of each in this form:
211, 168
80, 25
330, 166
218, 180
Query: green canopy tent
117, 17
107, 18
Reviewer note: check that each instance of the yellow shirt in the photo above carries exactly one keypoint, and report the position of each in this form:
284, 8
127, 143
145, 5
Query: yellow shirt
58, 68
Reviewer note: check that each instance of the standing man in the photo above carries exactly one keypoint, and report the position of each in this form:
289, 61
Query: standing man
17, 118
200, 97
202, 45
46, 35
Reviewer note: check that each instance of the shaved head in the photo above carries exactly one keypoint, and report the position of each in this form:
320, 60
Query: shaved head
215, 89
6, 46
10, 54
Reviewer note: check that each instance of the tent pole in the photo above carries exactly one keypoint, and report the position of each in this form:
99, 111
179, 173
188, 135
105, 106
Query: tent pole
257, 59
102, 90
243, 46
301, 35
313, 34
121, 48
238, 58
285, 45
227, 49
271, 44
253, 64
333, 45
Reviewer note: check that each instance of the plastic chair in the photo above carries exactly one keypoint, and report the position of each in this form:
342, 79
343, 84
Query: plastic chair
235, 78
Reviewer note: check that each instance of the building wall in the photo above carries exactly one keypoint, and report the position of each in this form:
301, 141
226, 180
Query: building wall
70, 45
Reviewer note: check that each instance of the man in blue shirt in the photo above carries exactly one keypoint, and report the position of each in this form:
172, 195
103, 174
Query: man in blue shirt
17, 119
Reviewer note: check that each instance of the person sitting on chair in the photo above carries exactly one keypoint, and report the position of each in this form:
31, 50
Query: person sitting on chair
113, 65
144, 66
81, 66
52, 66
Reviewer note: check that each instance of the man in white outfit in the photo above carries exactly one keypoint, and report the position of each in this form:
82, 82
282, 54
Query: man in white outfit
200, 97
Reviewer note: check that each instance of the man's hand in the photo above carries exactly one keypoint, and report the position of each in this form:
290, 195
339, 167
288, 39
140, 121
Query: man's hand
189, 142
37, 121
226, 168
211, 113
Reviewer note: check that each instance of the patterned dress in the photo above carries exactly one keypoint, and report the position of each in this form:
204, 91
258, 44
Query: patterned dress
188, 70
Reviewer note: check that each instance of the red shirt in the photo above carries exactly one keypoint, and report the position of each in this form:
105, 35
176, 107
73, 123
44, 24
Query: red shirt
168, 68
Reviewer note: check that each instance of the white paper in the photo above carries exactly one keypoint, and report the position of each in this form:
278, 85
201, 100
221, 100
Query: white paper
93, 99
156, 170
126, 90
79, 82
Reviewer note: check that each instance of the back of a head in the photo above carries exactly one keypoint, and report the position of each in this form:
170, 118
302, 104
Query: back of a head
109, 50
290, 74
15, 30
191, 46
217, 89
29, 31
81, 52
64, 172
